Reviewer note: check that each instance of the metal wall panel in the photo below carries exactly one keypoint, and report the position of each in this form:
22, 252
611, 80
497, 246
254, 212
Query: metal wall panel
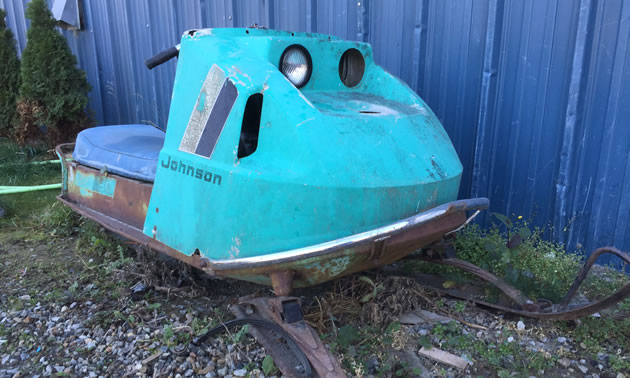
534, 94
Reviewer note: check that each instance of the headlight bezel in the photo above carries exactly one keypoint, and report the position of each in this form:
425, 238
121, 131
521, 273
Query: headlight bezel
309, 64
352, 67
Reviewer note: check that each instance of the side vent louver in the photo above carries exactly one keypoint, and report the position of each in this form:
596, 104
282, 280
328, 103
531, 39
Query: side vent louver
251, 126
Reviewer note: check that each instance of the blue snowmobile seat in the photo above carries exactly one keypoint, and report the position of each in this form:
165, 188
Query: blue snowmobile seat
126, 150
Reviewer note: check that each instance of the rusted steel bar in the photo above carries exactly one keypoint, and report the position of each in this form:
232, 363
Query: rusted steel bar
64, 151
562, 311
509, 290
587, 267
553, 312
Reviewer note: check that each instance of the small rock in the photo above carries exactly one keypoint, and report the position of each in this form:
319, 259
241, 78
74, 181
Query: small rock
223, 371
565, 362
510, 339
89, 343
372, 363
520, 325
25, 297
64, 309
620, 375
562, 339
240, 373
583, 369
205, 370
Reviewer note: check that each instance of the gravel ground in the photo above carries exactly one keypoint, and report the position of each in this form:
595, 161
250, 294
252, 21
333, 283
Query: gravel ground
66, 315
51, 339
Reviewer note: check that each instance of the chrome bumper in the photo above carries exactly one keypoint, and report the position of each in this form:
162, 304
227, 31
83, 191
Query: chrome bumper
352, 241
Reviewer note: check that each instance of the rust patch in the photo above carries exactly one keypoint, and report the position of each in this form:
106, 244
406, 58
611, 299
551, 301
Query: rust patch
128, 201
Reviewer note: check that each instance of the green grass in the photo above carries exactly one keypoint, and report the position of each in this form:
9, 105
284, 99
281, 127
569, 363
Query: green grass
15, 170
541, 269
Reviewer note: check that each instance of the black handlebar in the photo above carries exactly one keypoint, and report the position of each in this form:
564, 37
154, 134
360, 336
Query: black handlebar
162, 57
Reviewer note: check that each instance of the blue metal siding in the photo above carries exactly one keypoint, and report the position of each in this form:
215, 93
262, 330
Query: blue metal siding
534, 94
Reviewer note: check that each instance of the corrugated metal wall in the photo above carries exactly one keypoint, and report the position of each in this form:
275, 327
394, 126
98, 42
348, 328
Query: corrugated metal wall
534, 94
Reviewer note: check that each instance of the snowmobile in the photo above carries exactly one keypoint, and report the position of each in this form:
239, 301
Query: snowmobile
289, 159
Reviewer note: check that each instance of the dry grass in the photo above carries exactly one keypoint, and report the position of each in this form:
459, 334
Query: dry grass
377, 301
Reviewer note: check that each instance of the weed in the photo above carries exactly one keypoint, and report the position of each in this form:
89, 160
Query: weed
376, 288
539, 268
199, 326
598, 334
59, 219
240, 335
121, 261
131, 320
347, 335
268, 366
168, 336
460, 306
620, 364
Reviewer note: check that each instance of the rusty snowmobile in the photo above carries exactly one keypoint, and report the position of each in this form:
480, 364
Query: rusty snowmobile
289, 159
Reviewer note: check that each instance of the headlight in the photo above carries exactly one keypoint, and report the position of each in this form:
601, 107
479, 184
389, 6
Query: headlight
296, 65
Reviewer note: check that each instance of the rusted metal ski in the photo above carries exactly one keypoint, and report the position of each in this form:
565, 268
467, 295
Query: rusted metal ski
443, 253
287, 313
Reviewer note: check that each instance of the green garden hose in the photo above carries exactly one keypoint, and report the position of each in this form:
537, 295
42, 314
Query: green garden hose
24, 189
32, 188
31, 163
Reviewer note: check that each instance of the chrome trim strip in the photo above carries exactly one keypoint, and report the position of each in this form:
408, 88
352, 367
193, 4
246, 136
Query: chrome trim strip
353, 240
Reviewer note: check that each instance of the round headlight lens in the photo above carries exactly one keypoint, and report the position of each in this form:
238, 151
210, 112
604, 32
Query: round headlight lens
296, 65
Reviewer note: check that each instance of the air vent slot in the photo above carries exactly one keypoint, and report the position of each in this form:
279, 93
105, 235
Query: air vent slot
251, 126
